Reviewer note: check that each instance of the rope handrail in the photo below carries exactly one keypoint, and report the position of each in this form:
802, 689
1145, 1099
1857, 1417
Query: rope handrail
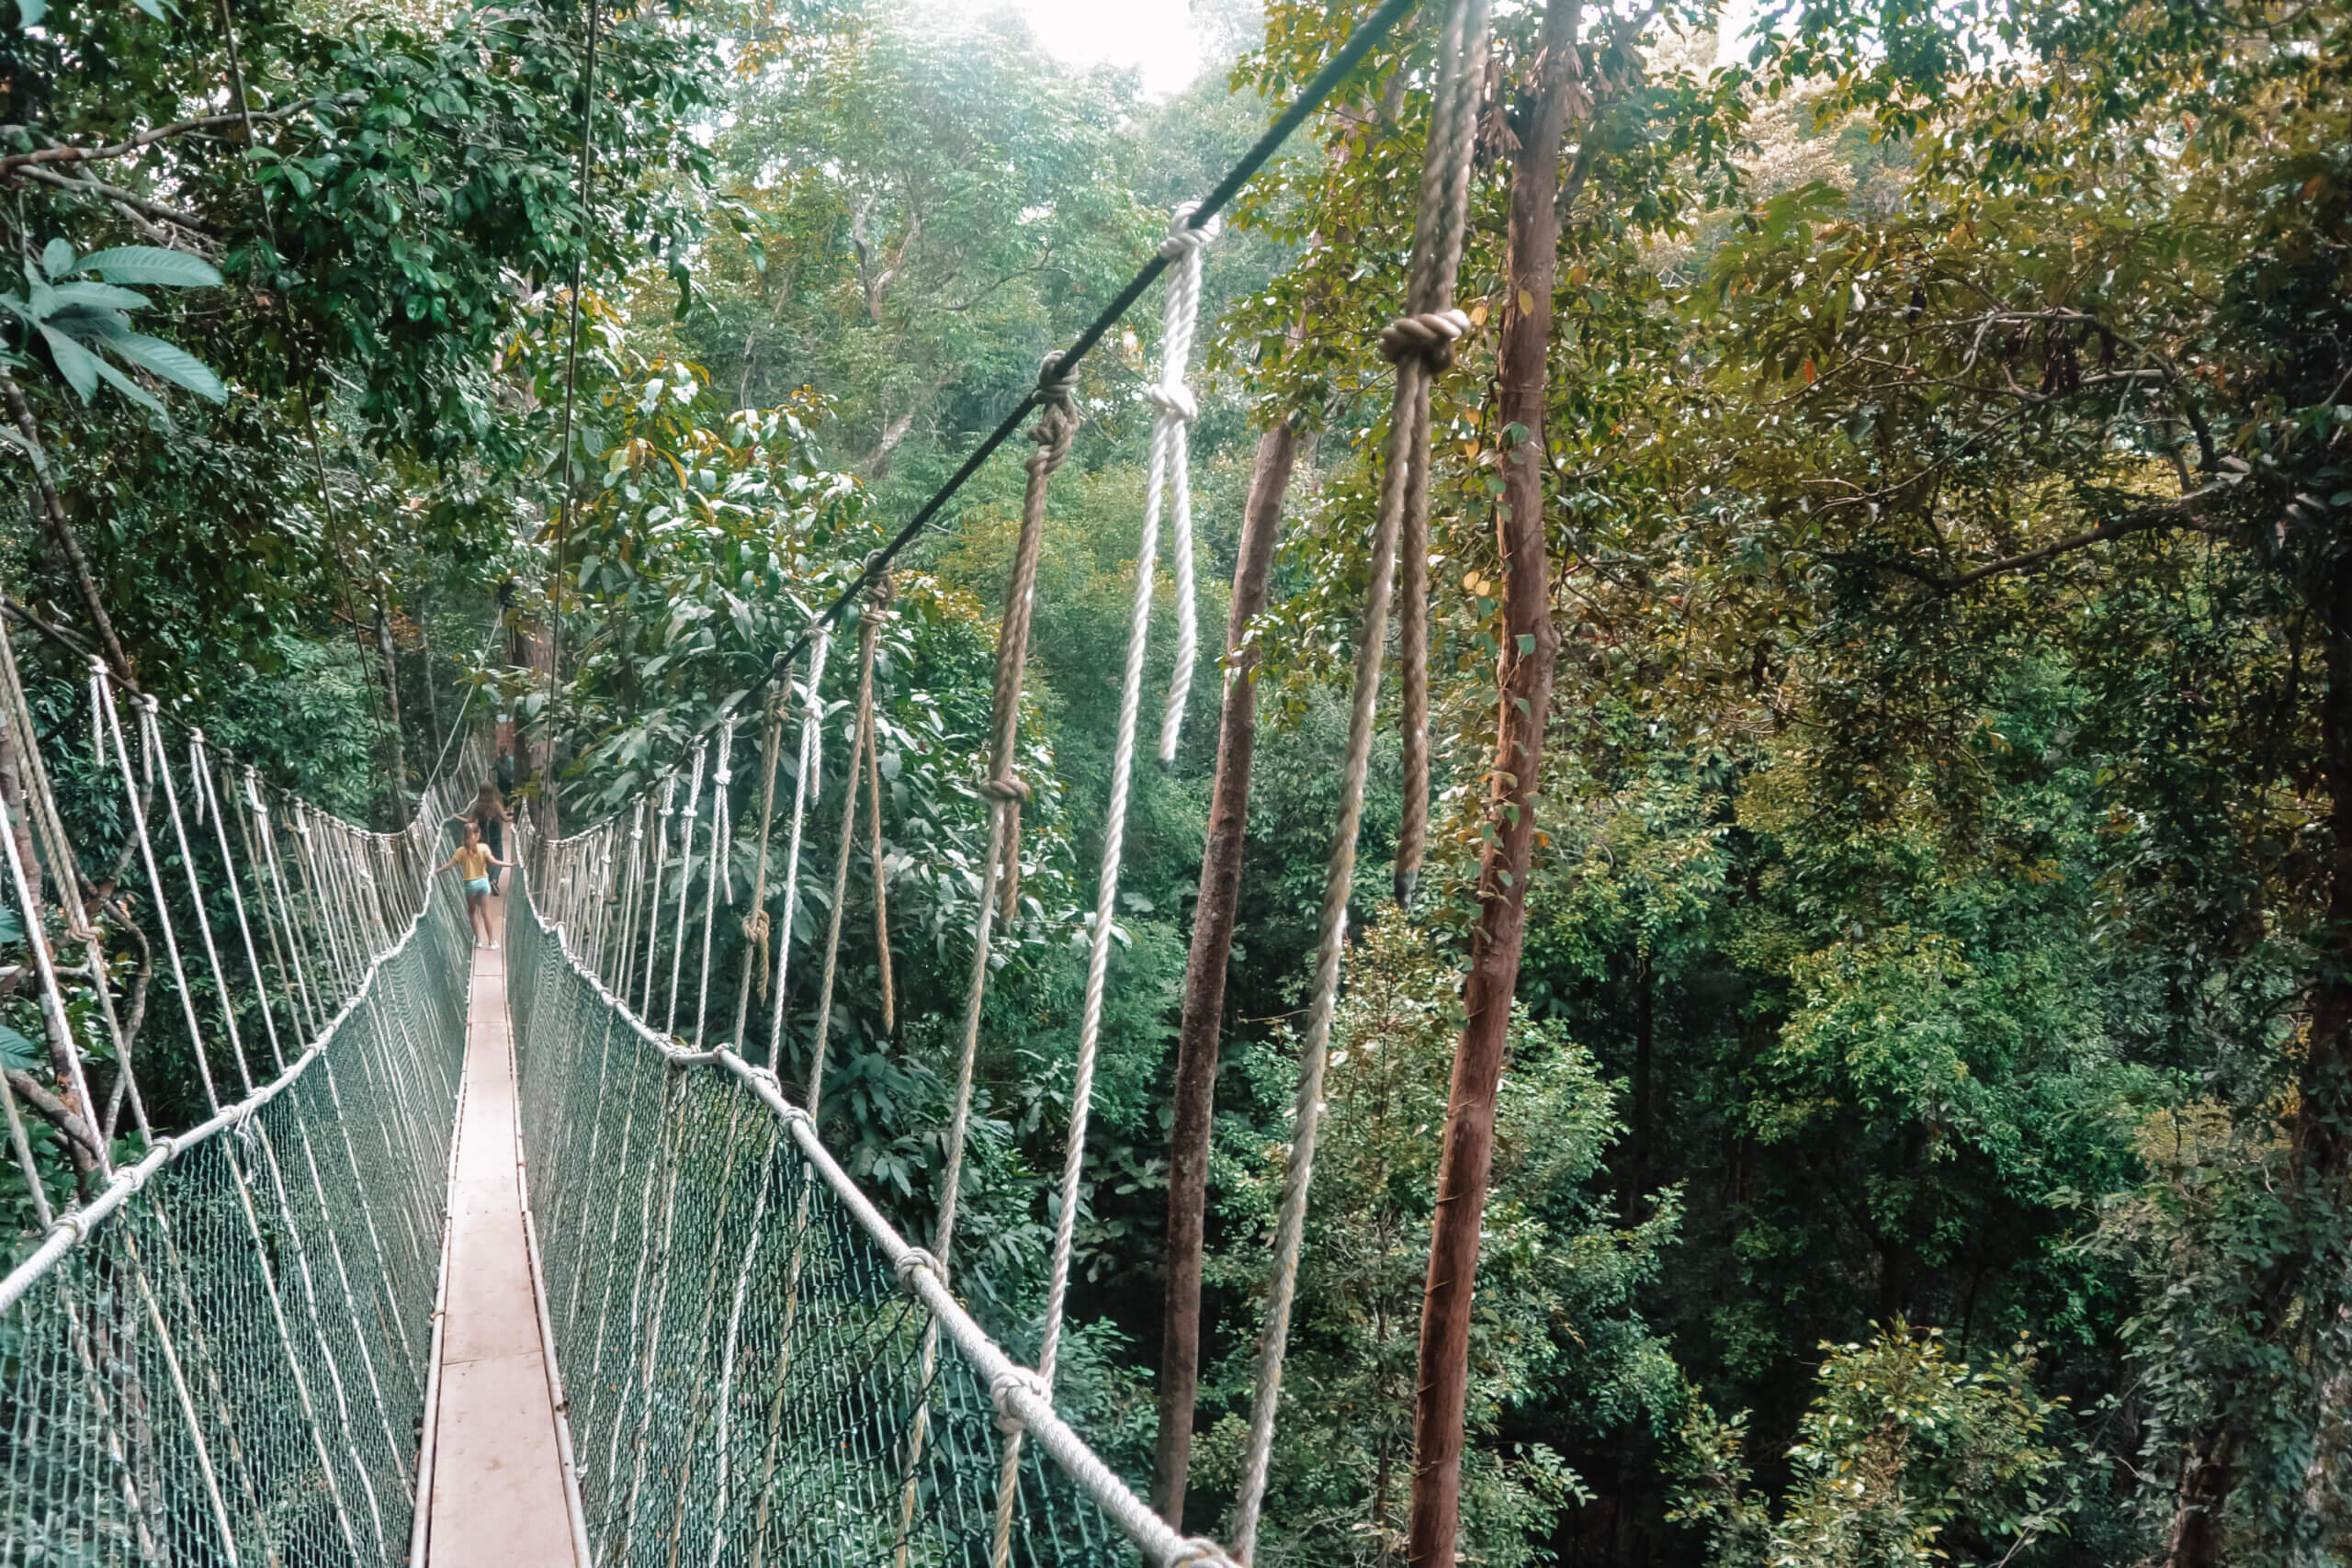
1022, 1398
76, 1225
216, 1336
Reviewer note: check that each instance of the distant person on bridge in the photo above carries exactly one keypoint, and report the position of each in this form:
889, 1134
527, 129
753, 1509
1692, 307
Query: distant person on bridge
488, 814
473, 862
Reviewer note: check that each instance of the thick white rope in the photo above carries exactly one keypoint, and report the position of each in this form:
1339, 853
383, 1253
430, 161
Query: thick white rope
804, 796
685, 882
719, 868
1166, 473
1017, 1392
1171, 451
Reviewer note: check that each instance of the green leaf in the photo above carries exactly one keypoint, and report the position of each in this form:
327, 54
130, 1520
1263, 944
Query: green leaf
57, 258
100, 296
16, 1051
11, 928
173, 364
30, 12
76, 363
132, 389
153, 265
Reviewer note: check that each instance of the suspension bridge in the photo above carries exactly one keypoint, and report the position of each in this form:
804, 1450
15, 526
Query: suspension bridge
351, 1244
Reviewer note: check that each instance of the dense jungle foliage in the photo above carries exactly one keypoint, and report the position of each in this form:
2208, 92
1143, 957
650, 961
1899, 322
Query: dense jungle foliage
1927, 1134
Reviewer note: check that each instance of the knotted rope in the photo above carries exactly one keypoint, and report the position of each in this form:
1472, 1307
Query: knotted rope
1167, 473
1422, 340
804, 796
1170, 456
755, 924
1420, 344
1056, 427
877, 606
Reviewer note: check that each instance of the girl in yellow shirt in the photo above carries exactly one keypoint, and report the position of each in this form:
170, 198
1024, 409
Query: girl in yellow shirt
473, 859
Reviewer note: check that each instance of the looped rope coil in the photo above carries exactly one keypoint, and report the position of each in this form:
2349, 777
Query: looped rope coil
1001, 1389
1428, 337
917, 1259
1171, 464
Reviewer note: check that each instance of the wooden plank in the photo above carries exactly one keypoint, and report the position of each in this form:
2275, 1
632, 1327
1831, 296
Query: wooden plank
498, 1491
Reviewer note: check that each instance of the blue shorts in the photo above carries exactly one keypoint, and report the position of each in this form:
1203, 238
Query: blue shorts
478, 887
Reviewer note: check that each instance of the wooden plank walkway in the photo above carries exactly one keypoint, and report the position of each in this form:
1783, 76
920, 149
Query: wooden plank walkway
500, 1497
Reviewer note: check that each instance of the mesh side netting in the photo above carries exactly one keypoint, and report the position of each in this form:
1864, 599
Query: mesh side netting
231, 1366
744, 1370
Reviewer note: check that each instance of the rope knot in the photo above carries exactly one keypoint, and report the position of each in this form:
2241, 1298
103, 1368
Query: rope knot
1176, 402
1198, 1552
1001, 1389
917, 1259
1008, 787
1057, 401
1182, 237
1428, 337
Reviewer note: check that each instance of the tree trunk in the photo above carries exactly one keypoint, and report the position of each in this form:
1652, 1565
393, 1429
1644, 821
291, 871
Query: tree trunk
1205, 973
396, 760
2305, 1284
533, 650
1637, 1164
1531, 649
13, 791
61, 531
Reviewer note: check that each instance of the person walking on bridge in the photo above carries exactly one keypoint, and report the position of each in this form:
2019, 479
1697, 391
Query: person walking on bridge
489, 813
474, 862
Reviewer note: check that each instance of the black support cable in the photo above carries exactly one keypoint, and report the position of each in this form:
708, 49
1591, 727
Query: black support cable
1335, 71
1361, 43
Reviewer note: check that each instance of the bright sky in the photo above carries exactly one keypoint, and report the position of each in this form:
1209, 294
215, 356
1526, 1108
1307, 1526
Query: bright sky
1154, 37
1158, 38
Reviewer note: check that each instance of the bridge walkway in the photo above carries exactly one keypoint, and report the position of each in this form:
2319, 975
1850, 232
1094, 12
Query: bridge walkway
500, 1495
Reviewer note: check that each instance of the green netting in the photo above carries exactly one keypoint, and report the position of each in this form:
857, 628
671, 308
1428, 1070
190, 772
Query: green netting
231, 1367
744, 1373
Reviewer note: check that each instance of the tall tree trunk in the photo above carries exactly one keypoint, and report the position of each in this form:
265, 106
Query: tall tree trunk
1638, 1164
61, 530
1205, 974
533, 650
2305, 1285
396, 749
1531, 649
433, 736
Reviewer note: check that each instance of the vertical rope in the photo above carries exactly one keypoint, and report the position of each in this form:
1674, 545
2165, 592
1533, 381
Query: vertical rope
1056, 427
662, 817
804, 796
877, 606
848, 840
686, 881
1172, 458
1425, 336
755, 923
1169, 396
722, 840
1420, 346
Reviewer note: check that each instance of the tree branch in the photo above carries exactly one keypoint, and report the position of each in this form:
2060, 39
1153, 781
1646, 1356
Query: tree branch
53, 1111
13, 161
2181, 513
61, 531
116, 194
